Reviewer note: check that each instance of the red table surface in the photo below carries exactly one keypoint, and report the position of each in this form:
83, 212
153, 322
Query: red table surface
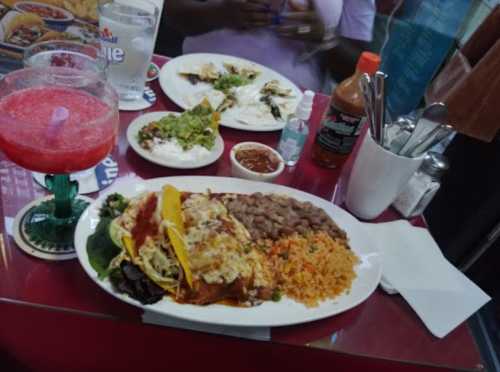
383, 326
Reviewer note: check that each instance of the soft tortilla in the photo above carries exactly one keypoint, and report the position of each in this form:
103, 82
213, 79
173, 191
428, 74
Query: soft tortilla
23, 19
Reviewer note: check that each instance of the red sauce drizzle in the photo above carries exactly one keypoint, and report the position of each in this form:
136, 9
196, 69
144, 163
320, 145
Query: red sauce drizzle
145, 225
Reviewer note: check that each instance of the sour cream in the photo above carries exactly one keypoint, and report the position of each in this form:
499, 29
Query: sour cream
171, 150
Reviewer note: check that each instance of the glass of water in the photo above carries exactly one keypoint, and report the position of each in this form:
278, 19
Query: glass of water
127, 30
66, 54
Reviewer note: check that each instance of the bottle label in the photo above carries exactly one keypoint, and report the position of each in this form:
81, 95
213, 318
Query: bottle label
291, 144
339, 131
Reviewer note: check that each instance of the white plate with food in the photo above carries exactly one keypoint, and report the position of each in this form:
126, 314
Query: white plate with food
208, 249
249, 96
55, 17
154, 136
21, 30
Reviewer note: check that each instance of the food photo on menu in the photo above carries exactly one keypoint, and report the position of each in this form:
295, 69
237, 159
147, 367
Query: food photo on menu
24, 23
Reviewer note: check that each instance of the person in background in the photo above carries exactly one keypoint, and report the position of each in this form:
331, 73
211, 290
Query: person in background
292, 42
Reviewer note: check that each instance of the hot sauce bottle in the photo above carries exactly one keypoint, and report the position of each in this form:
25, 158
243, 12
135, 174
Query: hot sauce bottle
342, 123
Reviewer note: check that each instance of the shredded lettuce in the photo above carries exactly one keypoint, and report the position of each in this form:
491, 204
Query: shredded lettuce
113, 206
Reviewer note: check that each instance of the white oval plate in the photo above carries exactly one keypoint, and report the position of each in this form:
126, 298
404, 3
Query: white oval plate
145, 119
284, 312
245, 117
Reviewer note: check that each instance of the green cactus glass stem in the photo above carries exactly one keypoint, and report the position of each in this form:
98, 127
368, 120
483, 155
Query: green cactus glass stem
64, 192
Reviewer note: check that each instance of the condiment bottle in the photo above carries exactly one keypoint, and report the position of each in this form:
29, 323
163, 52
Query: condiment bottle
422, 187
294, 135
341, 126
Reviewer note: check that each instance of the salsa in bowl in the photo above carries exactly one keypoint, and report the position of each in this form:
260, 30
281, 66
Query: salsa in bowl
256, 161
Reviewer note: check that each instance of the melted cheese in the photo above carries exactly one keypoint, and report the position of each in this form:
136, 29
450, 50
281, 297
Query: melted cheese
217, 244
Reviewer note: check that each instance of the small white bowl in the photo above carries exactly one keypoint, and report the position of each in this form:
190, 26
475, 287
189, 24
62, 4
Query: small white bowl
240, 171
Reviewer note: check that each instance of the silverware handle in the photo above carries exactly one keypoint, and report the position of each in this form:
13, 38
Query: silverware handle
442, 134
367, 92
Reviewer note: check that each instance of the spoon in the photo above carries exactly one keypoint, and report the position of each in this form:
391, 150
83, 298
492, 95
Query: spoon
431, 139
433, 116
398, 133
379, 89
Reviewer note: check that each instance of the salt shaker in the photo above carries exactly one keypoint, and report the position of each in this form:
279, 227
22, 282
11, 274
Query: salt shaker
423, 185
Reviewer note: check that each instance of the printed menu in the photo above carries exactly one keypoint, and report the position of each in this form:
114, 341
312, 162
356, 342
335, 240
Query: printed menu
23, 23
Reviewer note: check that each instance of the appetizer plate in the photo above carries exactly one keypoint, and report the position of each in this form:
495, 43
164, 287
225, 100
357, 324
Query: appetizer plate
284, 312
247, 115
144, 120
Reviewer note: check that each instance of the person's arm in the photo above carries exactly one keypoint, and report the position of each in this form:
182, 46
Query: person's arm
192, 17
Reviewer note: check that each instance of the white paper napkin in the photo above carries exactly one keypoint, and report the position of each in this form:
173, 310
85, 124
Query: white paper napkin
253, 333
413, 265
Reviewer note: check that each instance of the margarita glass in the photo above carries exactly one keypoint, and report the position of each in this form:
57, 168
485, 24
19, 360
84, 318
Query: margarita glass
64, 53
56, 120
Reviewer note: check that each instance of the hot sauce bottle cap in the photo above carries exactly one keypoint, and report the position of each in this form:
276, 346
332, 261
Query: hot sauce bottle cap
368, 62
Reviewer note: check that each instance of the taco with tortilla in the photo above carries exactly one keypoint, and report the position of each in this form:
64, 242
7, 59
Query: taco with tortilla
25, 29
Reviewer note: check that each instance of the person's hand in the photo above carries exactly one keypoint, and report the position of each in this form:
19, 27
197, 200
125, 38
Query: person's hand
306, 24
241, 14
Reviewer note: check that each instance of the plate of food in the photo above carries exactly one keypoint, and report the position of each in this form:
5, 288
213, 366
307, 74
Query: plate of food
249, 96
21, 30
57, 18
213, 250
178, 140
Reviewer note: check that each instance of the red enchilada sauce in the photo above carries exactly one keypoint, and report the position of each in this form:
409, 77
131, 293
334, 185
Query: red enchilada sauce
257, 160
145, 225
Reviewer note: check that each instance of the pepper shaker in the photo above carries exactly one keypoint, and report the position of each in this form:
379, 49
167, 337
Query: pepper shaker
423, 185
